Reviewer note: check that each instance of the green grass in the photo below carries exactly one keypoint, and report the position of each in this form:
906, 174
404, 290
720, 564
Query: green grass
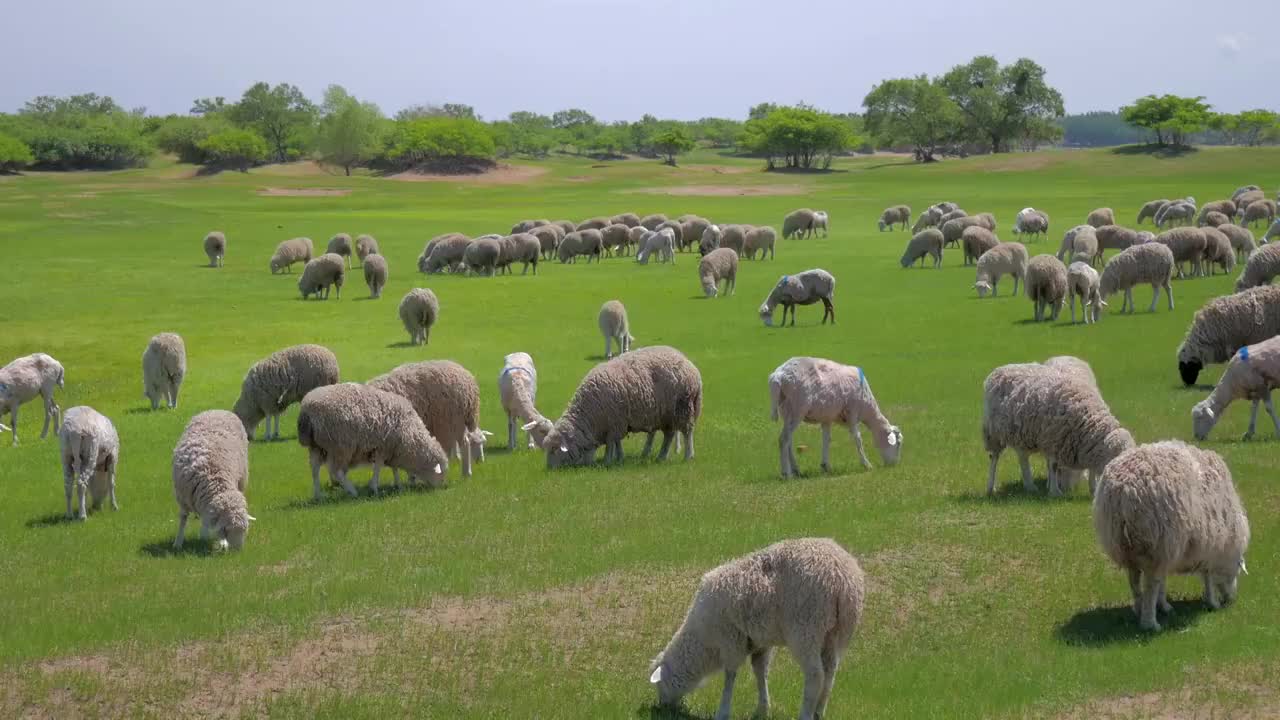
524, 593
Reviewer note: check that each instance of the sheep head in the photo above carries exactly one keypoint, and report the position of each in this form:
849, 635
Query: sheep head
1202, 419
890, 445
983, 287
1189, 370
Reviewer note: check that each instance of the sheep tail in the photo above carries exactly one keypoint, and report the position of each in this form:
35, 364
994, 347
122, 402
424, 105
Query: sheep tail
305, 431
775, 397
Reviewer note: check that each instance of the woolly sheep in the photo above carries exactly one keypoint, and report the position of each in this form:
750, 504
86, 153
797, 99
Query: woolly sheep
815, 390
662, 243
341, 244
821, 221
1244, 189
674, 227
615, 236
587, 242
567, 226
1226, 324
375, 274
1079, 240
894, 215
1251, 374
522, 248
929, 218
1187, 244
418, 311
1216, 219
1259, 211
1100, 217
164, 365
614, 326
348, 425
629, 219
22, 380
760, 240
280, 380
525, 226
734, 237
1241, 240
710, 239
1114, 237
215, 247
952, 230
1272, 232
287, 253
1046, 285
482, 256
90, 456
647, 390
715, 266
1262, 266
946, 206
927, 242
518, 390
1218, 251
950, 215
975, 241
1083, 281
595, 223
443, 252
365, 246
1036, 223
1006, 258
692, 230
1226, 208
805, 288
797, 223
447, 398
1245, 199
321, 274
1176, 213
210, 473
1149, 263
549, 237
636, 235
806, 594
651, 222
1171, 508
1150, 210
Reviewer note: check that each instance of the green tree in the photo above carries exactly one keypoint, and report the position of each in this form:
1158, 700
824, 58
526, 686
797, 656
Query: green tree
209, 106
14, 154
1252, 126
1173, 119
1098, 129
915, 112
719, 132
236, 148
575, 127
349, 129
445, 142
761, 110
182, 136
671, 142
81, 132
612, 139
532, 133
1002, 104
281, 115
797, 137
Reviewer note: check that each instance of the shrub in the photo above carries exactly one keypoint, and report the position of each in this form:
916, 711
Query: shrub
182, 136
439, 142
238, 149
14, 154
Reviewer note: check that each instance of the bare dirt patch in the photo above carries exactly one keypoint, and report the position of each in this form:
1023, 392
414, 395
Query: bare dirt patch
1213, 698
303, 192
1017, 162
301, 168
582, 178
501, 175
723, 169
724, 190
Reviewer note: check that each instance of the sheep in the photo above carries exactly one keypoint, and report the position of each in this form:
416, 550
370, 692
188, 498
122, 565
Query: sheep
340, 244
1226, 208
893, 215
288, 252
589, 242
1244, 189
375, 274
210, 473
715, 266
1226, 324
1035, 223
1272, 232
1215, 219
677, 237
1006, 258
1247, 198
629, 219
635, 236
1046, 285
952, 230
321, 274
443, 252
662, 243
23, 379
710, 239
734, 237
1114, 237
647, 390
1151, 210
821, 221
1079, 240
926, 242
518, 390
815, 390
522, 248
215, 248
1252, 373
595, 223
482, 256
1100, 217
950, 215
1177, 212
164, 365
975, 241
90, 450
615, 236
805, 288
1218, 251
692, 230
806, 594
280, 380
614, 326
946, 206
418, 311
549, 237
1084, 281
347, 425
1187, 244
929, 218
525, 226
760, 239
567, 226
366, 245
1262, 266
447, 398
651, 222
1147, 263
1242, 242
1043, 408
1263, 211
797, 223
1171, 508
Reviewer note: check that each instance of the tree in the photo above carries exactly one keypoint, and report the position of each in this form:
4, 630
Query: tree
575, 127
1037, 132
672, 142
81, 132
611, 140
447, 143
797, 137
1172, 118
235, 148
719, 132
1098, 129
761, 110
182, 136
1252, 126
531, 133
1001, 104
14, 154
209, 106
349, 129
915, 112
282, 115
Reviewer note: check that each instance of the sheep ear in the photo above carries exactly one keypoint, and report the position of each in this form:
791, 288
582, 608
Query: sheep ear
280, 400
893, 438
437, 469
486, 433
1243, 568
656, 677
4, 428
529, 426
252, 518
564, 449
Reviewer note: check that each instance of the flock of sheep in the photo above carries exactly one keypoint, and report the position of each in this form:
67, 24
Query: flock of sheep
1159, 509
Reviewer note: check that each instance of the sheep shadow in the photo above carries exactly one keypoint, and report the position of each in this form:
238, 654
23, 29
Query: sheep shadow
1196, 388
656, 712
273, 441
51, 520
1157, 151
1014, 492
1102, 626
596, 358
191, 546
403, 344
338, 496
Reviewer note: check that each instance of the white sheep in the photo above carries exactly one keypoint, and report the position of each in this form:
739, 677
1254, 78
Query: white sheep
1079, 240
1046, 286
1261, 268
926, 243
518, 389
929, 218
164, 366
1100, 217
447, 398
975, 241
341, 245
444, 252
1188, 245
1150, 210
1272, 232
210, 474
1006, 258
583, 241
716, 266
1251, 375
1084, 282
710, 239
662, 242
1258, 211
21, 381
759, 239
90, 457
288, 252
1148, 263
366, 245
1226, 324
821, 221
1177, 212
894, 215
320, 274
797, 223
280, 380
418, 311
1034, 222
615, 327
1218, 251
805, 288
215, 248
1242, 242
375, 274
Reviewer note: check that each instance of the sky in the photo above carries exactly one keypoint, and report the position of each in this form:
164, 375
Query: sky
619, 59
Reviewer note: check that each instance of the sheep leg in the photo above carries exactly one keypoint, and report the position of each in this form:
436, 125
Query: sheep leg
1253, 421
341, 477
688, 442
726, 696
1150, 596
784, 449
814, 680
373, 481
1073, 310
68, 480
464, 447
1024, 462
1135, 588
511, 433
1271, 410
13, 424
173, 394
857, 440
182, 530
830, 663
608, 347
1211, 598
1163, 600
1128, 300
991, 472
315, 475
826, 447
648, 446
760, 666
84, 476
827, 308
667, 437
50, 408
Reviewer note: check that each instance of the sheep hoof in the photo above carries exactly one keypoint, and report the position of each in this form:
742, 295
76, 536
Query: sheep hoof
826, 468
1247, 437
1152, 626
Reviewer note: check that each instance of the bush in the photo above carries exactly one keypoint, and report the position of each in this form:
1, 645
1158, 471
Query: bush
14, 154
439, 142
797, 137
237, 149
182, 136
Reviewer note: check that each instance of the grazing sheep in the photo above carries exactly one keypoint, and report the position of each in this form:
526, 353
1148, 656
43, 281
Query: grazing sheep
615, 236
518, 389
341, 244
1100, 217
525, 226
806, 594
210, 473
1259, 211
629, 219
1261, 267
760, 239
23, 379
549, 237
1151, 210
674, 227
1245, 199
651, 222
1226, 208
375, 274
280, 380
1244, 189
1187, 244
1046, 285
1218, 251
647, 390
975, 241
821, 221
734, 237
348, 425
797, 223
1114, 237
482, 256
418, 312
815, 390
589, 242
1272, 232
946, 207
894, 215
692, 230
1178, 212
1139, 265
90, 456
710, 239
950, 215
717, 265
287, 253
567, 226
443, 252
929, 218
952, 230
1006, 258
1242, 242
1084, 281
1251, 374
447, 398
164, 365
522, 248
595, 223
1079, 240
663, 243
926, 242
1226, 324
805, 288
215, 248
1035, 223
636, 236
1215, 219
366, 245
614, 326
320, 275
1170, 508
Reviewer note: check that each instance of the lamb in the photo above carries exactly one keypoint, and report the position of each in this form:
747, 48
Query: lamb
1175, 213
518, 389
615, 236
647, 390
1171, 508
893, 215
1036, 223
1226, 324
347, 425
1141, 264
1251, 374
549, 237
691, 231
975, 241
1046, 285
1100, 217
797, 223
287, 253
164, 365
1151, 210
1226, 208
715, 266
1187, 244
815, 390
629, 219
1218, 251
23, 379
340, 244
806, 594
662, 243
482, 256
321, 274
760, 239
375, 274
447, 398
90, 456
822, 222
1241, 240
926, 242
710, 239
805, 288
614, 326
1261, 267
525, 226
215, 247
589, 242
522, 248
443, 252
1042, 408
1006, 258
418, 310
651, 222
1259, 211
280, 380
1083, 281
210, 473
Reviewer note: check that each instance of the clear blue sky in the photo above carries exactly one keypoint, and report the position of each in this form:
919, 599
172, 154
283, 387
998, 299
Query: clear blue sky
621, 58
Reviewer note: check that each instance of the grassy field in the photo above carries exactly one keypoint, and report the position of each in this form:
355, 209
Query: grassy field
523, 593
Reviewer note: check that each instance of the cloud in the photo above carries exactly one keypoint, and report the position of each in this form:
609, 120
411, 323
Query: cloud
1232, 44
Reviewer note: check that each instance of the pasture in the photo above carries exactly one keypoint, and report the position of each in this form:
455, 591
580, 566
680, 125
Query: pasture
524, 593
